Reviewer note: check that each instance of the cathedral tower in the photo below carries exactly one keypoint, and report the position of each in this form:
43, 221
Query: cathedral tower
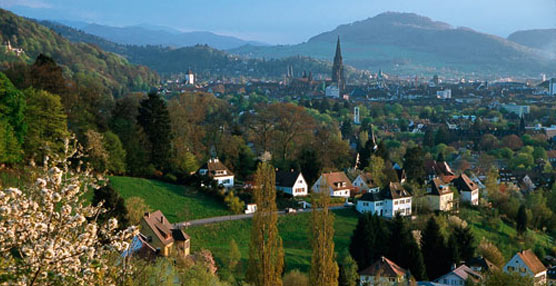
338, 75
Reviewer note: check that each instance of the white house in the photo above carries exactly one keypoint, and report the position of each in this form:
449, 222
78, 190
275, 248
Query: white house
365, 183
337, 183
526, 263
468, 189
218, 172
291, 183
444, 94
392, 200
332, 91
459, 276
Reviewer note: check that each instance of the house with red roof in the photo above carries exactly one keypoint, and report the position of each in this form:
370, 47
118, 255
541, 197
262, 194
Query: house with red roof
526, 263
383, 272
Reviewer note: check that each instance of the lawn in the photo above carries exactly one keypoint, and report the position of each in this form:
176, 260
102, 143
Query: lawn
294, 230
504, 236
177, 202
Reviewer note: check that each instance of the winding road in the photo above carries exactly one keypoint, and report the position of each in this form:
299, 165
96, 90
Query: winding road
211, 220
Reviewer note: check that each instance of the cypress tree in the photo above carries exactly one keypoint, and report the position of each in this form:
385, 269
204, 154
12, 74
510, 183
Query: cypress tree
324, 269
466, 242
434, 250
369, 240
155, 120
453, 250
266, 255
521, 220
405, 251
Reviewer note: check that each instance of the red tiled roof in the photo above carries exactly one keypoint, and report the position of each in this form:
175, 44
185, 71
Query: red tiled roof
532, 261
385, 268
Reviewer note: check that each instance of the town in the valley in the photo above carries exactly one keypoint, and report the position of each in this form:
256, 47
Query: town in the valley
140, 163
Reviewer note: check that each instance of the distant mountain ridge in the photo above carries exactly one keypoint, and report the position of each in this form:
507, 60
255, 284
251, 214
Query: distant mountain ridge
407, 43
146, 34
204, 60
542, 39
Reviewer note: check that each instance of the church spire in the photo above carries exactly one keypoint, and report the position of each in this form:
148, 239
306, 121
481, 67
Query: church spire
338, 76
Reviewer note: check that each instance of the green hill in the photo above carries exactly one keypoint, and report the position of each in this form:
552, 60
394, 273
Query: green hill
80, 61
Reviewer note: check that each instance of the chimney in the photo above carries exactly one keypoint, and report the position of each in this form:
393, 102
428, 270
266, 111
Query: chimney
454, 266
147, 214
161, 219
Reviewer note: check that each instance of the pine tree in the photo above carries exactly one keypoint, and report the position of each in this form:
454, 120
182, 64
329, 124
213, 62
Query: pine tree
155, 120
428, 139
413, 164
465, 241
348, 272
453, 250
521, 220
434, 250
376, 168
369, 240
324, 269
113, 203
266, 255
406, 253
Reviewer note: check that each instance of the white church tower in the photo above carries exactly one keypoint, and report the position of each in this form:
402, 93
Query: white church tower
189, 78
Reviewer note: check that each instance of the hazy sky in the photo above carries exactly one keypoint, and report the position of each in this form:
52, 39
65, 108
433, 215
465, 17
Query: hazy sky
289, 21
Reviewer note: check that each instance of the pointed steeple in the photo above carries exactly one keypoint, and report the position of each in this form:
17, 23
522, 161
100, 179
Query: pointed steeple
338, 76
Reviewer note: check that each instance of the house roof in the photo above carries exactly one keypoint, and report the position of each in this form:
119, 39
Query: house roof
464, 184
442, 168
371, 197
213, 165
368, 180
532, 261
286, 179
337, 181
464, 273
162, 228
385, 268
393, 191
483, 263
438, 187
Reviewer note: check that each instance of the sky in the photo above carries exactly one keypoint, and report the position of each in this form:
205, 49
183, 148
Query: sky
288, 21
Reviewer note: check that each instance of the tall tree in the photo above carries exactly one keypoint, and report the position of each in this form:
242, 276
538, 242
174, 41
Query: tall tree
310, 165
266, 255
12, 107
521, 220
369, 240
324, 269
376, 168
465, 241
113, 203
46, 124
428, 139
155, 120
413, 164
234, 256
434, 250
348, 272
406, 252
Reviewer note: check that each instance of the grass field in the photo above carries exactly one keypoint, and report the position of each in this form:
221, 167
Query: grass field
504, 236
292, 228
178, 203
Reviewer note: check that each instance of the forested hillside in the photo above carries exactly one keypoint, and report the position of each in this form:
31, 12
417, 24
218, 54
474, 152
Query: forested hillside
83, 63
204, 60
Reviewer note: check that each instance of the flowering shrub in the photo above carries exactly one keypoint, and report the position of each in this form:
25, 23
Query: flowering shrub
50, 236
